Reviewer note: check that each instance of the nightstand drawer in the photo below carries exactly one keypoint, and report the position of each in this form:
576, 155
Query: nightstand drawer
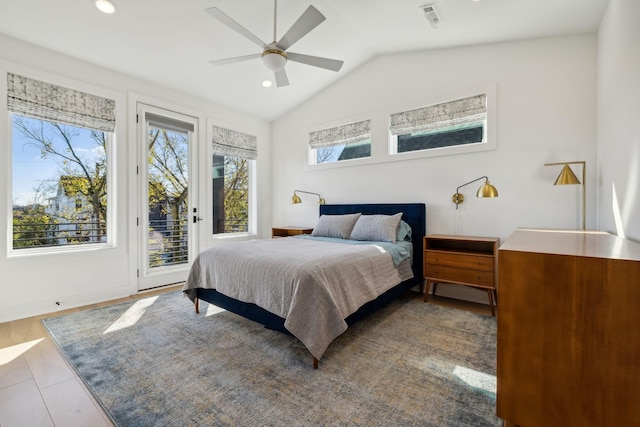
465, 261
456, 274
290, 231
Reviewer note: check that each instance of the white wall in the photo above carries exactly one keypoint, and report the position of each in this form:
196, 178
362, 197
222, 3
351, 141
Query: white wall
546, 112
619, 119
30, 285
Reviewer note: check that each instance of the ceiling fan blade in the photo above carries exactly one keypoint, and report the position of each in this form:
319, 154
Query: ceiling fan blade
229, 22
235, 59
309, 20
281, 78
316, 61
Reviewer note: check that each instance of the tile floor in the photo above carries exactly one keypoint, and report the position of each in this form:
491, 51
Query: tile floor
39, 388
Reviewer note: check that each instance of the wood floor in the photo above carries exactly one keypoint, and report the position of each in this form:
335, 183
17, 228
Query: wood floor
39, 388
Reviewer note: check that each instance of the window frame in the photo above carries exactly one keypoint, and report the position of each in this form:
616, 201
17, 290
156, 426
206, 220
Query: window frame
110, 154
489, 129
313, 152
252, 221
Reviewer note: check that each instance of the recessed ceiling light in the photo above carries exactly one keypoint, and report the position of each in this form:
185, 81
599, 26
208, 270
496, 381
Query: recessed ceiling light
105, 6
267, 83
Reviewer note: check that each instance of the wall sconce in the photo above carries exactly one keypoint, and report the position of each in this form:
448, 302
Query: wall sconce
296, 199
486, 190
567, 177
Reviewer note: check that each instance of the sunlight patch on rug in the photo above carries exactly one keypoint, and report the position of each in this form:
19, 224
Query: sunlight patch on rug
428, 364
212, 309
132, 315
476, 379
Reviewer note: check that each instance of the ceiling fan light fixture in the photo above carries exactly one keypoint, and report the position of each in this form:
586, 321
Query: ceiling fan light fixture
274, 59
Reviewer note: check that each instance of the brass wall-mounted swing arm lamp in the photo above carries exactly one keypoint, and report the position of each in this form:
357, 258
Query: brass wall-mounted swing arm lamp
296, 199
486, 190
567, 177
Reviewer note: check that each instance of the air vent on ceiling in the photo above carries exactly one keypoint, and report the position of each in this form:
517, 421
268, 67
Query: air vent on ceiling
431, 14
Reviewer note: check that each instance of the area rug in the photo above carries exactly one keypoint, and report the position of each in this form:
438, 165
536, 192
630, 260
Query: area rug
154, 362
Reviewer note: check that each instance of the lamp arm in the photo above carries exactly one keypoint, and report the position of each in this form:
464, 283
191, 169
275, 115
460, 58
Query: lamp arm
471, 182
320, 199
306, 192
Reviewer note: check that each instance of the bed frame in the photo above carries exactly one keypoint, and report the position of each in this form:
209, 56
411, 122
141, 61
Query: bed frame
413, 214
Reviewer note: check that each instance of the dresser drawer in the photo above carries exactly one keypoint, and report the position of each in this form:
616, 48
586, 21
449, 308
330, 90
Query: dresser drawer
457, 274
465, 261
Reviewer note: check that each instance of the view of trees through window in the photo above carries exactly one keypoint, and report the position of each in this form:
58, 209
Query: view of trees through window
337, 153
168, 179
59, 184
230, 194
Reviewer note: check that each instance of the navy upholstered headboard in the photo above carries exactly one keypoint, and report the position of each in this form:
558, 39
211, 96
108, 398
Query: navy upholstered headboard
413, 214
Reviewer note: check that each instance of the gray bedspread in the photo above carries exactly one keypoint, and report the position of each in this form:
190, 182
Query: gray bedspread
313, 285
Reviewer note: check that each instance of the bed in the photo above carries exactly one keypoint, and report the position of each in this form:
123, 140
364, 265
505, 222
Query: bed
315, 313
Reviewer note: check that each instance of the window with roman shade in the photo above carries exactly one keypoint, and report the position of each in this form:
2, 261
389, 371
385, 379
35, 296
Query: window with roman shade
453, 123
233, 156
62, 142
344, 142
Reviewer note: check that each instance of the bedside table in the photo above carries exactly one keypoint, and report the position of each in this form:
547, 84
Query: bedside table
460, 260
289, 231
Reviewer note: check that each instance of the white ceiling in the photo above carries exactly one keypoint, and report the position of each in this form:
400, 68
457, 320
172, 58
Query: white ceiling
170, 42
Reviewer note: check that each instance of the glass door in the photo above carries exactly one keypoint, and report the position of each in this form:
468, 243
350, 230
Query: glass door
168, 212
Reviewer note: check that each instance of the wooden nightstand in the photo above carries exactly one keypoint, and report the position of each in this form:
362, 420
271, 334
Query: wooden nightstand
468, 261
289, 231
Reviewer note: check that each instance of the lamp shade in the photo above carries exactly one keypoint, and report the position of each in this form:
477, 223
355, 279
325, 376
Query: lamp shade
487, 190
295, 199
566, 177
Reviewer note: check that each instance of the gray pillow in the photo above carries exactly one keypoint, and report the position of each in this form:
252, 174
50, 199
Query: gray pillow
338, 226
376, 228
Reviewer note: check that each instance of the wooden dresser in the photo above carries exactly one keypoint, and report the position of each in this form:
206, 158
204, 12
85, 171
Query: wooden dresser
568, 329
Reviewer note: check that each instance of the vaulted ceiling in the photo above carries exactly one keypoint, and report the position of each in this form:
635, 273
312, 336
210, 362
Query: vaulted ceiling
170, 42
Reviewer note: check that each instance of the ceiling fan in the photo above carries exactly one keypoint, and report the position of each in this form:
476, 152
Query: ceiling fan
274, 55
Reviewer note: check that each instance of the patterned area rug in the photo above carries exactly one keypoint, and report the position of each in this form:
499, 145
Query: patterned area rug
154, 362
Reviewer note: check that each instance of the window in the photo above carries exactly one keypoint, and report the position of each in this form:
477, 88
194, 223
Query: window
345, 142
449, 124
61, 141
233, 154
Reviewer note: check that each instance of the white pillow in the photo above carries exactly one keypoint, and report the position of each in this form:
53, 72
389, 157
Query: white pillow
376, 228
338, 226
